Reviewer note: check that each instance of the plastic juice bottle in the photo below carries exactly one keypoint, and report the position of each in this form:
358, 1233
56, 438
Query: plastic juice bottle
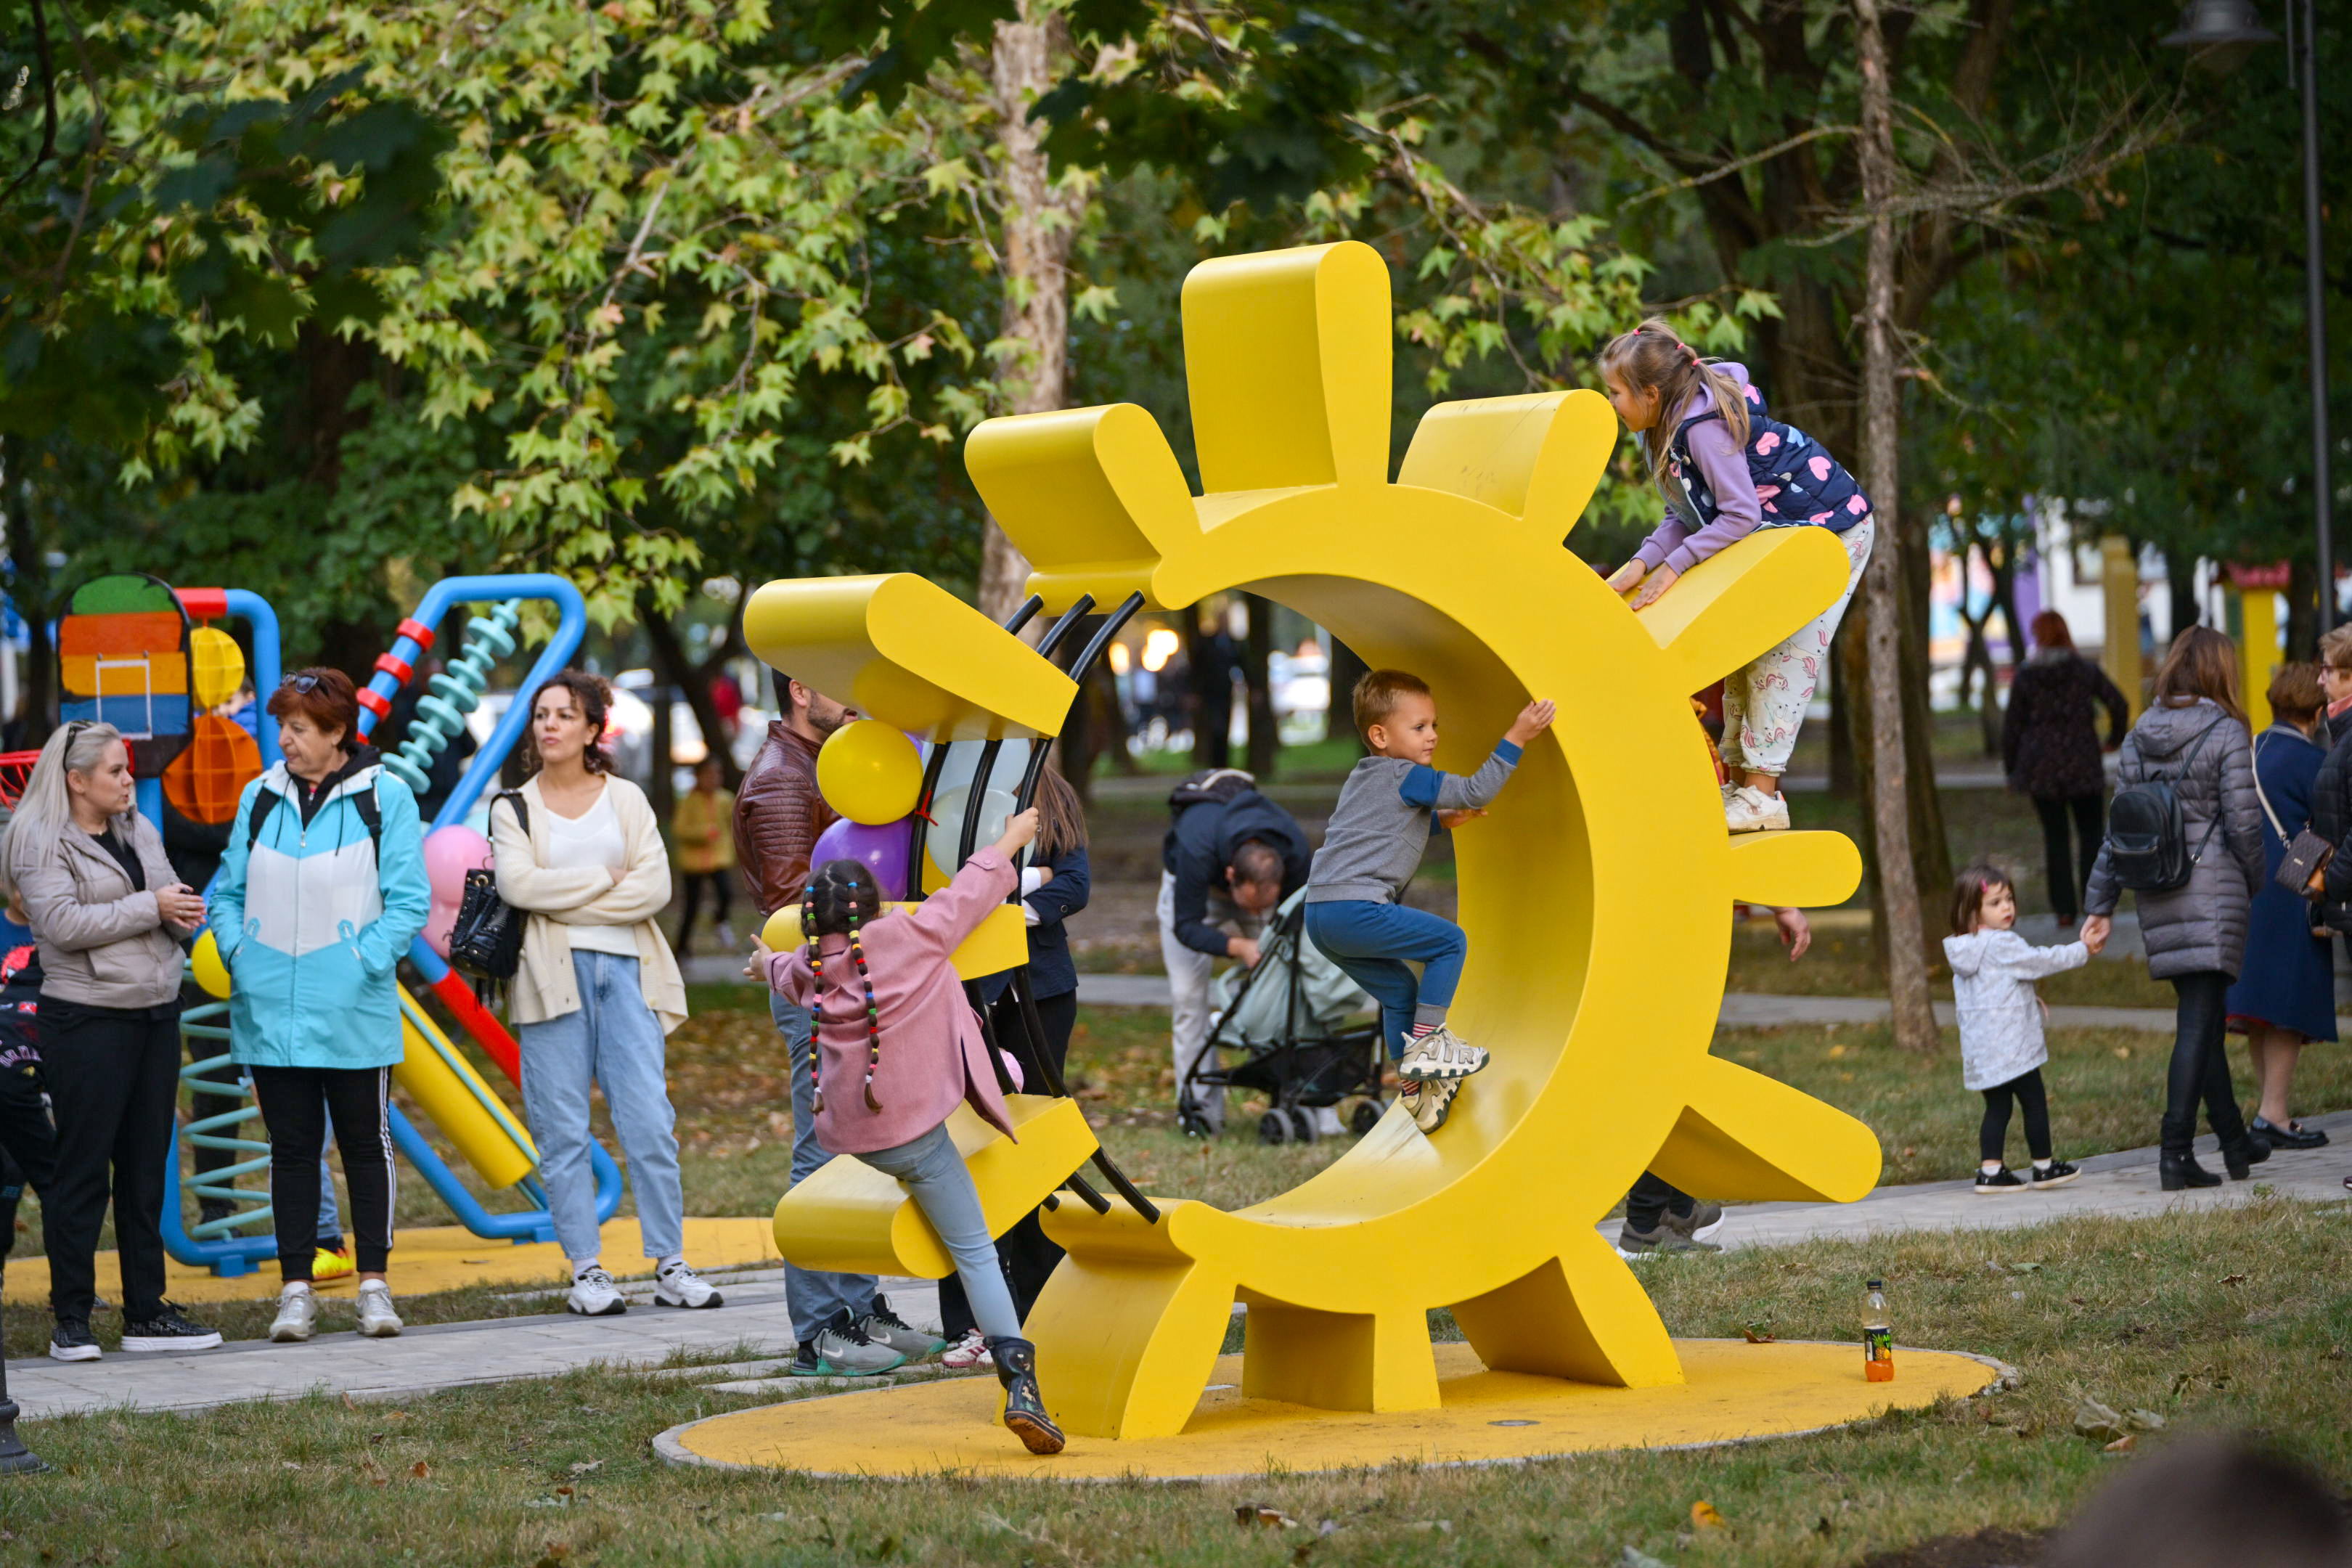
1877, 1337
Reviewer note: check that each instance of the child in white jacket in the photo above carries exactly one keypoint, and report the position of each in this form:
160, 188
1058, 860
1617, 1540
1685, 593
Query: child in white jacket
2001, 1049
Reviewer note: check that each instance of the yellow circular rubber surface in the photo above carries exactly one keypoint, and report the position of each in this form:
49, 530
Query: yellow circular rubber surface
1734, 1391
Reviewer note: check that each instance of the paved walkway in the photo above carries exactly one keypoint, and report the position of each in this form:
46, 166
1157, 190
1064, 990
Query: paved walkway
746, 1342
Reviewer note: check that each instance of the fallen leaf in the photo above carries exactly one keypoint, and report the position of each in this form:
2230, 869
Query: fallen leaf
1705, 1515
2143, 1421
563, 1491
348, 1403
2092, 1419
2233, 1280
584, 1466
2025, 1268
1630, 1558
2123, 1053
1757, 1334
290, 1464
2123, 1445
1442, 1526
1258, 1513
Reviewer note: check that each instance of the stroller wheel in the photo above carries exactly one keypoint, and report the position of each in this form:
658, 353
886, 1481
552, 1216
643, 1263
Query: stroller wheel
1365, 1116
1302, 1125
1274, 1127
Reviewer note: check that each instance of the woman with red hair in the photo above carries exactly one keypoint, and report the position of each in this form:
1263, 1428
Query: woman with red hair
2050, 750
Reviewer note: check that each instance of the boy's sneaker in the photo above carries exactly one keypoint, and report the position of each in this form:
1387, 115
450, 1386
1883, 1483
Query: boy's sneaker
968, 1354
1998, 1183
378, 1319
1699, 1225
1428, 1104
329, 1264
168, 1330
1439, 1054
71, 1341
1750, 810
840, 1349
677, 1285
884, 1327
297, 1314
593, 1295
1631, 1243
2057, 1174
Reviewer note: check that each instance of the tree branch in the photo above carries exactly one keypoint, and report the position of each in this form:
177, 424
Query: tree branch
48, 147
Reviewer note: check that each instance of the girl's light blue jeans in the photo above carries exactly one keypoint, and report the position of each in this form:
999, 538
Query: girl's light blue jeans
934, 1172
616, 1041
1371, 942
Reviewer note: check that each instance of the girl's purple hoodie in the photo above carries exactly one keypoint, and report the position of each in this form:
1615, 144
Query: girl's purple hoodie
1724, 466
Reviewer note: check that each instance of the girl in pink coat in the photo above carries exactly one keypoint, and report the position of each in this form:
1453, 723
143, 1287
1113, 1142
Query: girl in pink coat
897, 1047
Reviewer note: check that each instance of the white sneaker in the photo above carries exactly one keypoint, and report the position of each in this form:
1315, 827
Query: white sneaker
377, 1319
969, 1351
1750, 810
677, 1285
297, 1314
1440, 1055
1428, 1103
593, 1295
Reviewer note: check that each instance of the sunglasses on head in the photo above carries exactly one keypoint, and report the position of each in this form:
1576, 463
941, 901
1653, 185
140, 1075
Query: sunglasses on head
300, 685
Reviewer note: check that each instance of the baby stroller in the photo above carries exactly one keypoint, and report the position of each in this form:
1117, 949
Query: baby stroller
1282, 1030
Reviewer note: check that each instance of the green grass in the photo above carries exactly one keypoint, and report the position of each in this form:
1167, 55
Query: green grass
1842, 962
2219, 1320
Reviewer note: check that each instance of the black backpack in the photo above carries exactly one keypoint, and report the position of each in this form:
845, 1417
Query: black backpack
486, 942
265, 801
2148, 836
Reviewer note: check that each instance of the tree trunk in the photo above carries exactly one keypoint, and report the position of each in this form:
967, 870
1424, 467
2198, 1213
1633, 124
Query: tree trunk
2180, 586
1036, 311
693, 680
2302, 607
1882, 580
1257, 655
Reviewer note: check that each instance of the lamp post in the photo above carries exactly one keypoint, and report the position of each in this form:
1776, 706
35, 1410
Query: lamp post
2219, 35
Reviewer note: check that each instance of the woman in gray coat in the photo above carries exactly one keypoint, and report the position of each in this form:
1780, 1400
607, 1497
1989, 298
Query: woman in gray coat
2195, 739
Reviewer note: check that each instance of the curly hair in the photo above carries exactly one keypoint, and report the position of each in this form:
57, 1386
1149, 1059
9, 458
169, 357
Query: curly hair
593, 694
842, 897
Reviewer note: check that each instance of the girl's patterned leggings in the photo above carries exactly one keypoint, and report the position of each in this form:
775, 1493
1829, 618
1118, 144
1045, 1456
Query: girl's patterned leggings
1764, 704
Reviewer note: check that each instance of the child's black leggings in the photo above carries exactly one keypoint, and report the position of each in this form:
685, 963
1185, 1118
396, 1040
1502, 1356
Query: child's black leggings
2026, 1089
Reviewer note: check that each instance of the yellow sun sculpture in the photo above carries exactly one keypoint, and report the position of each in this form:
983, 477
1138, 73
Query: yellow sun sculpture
1596, 895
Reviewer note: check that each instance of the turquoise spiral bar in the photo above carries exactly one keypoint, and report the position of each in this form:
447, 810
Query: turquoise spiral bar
454, 693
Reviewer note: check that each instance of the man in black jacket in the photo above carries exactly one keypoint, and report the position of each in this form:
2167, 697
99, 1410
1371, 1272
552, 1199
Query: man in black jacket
1230, 857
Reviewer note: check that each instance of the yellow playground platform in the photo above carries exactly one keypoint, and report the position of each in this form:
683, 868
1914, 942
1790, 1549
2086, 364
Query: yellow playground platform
431, 1258
1731, 1390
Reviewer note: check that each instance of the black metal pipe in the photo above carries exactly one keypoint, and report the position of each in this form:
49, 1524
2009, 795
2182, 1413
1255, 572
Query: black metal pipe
1004, 1084
1126, 1189
920, 833
1061, 628
2315, 309
1025, 614
16, 1459
1094, 1200
975, 797
1080, 667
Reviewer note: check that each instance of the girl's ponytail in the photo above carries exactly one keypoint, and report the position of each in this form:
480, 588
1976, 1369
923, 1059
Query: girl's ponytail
842, 897
1653, 358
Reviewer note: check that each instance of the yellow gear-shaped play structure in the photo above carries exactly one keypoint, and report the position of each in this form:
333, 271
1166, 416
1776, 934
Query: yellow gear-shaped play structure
1597, 895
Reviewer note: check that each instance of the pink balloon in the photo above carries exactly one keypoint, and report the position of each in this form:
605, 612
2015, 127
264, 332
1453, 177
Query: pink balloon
882, 850
449, 853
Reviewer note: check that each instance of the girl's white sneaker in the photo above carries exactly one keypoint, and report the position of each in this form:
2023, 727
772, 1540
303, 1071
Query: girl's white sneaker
378, 1320
1750, 810
969, 1351
298, 1313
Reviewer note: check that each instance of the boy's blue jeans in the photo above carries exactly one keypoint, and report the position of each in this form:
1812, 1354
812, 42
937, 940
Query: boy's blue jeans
1372, 942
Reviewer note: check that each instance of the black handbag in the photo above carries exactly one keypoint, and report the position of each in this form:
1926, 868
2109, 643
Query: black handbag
2307, 853
486, 942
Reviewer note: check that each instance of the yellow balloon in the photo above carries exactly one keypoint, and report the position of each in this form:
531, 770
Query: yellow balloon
869, 773
211, 973
219, 665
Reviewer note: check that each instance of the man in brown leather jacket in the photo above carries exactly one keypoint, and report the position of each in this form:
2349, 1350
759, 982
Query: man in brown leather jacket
844, 1328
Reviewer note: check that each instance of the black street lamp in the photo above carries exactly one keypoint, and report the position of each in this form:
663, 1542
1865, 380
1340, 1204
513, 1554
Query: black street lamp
2219, 35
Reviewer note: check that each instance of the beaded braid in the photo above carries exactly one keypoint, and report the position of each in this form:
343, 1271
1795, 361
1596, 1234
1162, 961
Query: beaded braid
866, 982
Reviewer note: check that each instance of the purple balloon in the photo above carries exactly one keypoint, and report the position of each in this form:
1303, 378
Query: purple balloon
882, 850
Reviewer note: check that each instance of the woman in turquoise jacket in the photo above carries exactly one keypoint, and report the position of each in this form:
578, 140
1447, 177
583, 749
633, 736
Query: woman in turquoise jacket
320, 893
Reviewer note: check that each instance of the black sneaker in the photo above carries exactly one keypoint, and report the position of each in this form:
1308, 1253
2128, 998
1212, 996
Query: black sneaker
1999, 1184
71, 1341
168, 1330
2056, 1174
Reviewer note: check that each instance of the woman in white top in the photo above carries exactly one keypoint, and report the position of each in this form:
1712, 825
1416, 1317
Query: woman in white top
597, 990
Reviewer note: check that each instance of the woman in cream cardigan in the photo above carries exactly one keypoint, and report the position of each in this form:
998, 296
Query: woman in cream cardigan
597, 990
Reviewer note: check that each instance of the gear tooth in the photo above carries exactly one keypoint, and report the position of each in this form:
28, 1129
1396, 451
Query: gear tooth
1537, 457
1734, 605
1794, 870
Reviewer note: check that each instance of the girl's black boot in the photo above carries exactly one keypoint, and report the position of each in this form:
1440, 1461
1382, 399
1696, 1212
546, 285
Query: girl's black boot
2177, 1172
1024, 1408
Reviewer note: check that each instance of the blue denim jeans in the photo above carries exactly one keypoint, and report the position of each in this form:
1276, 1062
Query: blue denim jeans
811, 1296
935, 1173
615, 1041
1372, 942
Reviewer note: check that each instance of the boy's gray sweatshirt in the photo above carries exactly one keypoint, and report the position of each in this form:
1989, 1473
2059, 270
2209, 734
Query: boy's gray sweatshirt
1383, 823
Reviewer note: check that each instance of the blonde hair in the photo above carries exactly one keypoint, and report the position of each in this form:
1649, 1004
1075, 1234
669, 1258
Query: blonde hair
2336, 649
1377, 691
1651, 358
45, 808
